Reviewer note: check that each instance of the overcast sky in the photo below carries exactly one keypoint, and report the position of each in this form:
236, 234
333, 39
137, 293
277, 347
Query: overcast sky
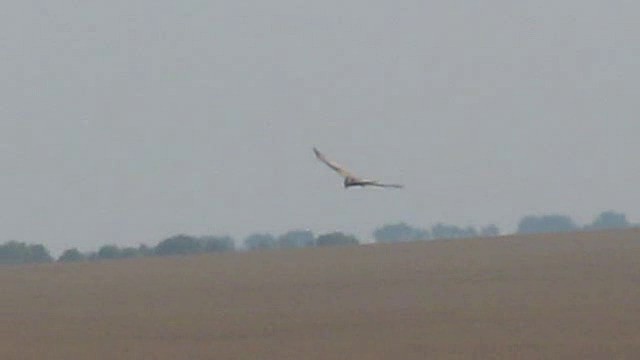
126, 122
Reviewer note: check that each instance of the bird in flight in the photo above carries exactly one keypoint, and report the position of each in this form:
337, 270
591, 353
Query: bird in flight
349, 178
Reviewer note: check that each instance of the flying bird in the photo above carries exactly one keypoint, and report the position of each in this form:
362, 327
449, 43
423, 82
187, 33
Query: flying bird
349, 178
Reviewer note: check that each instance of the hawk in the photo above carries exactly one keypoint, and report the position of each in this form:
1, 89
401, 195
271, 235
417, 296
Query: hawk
349, 178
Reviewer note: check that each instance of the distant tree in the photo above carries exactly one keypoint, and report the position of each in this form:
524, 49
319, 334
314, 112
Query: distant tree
546, 223
108, 252
399, 232
217, 243
260, 242
490, 230
178, 245
336, 238
296, 239
14, 252
609, 220
39, 254
144, 250
129, 252
71, 255
445, 231
469, 232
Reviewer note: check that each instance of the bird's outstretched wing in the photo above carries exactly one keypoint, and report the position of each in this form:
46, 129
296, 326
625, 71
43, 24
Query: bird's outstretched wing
333, 165
395, 186
359, 182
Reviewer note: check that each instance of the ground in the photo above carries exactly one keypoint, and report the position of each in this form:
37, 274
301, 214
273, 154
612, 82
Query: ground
556, 296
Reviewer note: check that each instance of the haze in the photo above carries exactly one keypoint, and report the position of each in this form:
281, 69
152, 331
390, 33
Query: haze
129, 121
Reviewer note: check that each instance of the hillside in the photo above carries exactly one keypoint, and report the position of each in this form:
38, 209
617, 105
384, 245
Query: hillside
559, 296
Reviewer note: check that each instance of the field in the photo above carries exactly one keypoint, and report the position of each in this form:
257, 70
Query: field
568, 296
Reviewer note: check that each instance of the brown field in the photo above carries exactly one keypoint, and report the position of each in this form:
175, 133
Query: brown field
569, 296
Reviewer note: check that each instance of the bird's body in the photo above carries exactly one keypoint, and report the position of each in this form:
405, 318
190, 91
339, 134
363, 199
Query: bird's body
351, 180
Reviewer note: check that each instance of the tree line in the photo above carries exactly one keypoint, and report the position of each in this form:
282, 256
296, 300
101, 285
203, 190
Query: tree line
530, 224
14, 252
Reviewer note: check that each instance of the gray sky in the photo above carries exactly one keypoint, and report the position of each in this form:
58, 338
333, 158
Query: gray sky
128, 121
